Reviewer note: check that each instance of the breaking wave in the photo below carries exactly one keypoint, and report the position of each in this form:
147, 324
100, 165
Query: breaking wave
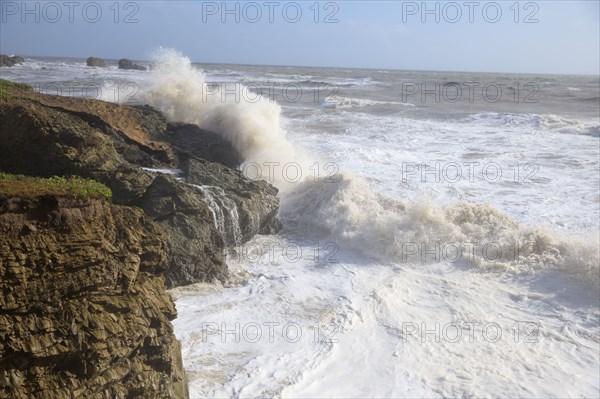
546, 122
181, 93
393, 231
345, 102
346, 209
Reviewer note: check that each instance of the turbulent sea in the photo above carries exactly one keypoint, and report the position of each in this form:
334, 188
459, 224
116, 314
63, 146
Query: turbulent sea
440, 229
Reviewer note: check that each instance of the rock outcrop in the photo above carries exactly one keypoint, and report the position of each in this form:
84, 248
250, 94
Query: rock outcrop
83, 310
124, 63
208, 208
194, 242
192, 141
6, 61
217, 208
189, 140
95, 62
44, 136
255, 202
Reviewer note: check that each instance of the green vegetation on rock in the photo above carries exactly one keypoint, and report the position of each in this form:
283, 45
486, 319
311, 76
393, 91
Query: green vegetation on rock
8, 88
31, 187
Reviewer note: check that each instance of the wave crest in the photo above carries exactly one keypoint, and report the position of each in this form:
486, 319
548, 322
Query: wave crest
181, 93
393, 231
347, 210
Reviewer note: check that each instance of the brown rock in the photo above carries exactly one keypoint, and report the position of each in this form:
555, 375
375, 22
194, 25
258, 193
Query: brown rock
83, 310
95, 62
44, 135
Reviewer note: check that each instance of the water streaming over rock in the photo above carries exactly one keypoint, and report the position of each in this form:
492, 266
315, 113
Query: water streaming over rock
225, 213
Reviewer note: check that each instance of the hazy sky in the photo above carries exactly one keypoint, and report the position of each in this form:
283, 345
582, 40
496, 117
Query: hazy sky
501, 36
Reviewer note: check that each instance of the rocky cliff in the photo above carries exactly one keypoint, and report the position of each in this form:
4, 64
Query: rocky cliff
209, 207
83, 310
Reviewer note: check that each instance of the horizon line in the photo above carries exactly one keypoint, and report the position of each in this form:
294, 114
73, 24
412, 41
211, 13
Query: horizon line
326, 67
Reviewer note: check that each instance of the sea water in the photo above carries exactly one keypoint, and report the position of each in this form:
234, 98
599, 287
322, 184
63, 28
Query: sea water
440, 229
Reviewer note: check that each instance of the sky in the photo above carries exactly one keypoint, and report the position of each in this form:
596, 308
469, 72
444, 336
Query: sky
560, 37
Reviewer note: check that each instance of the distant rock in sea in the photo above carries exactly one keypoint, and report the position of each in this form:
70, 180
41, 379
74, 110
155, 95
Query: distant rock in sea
7, 61
96, 62
128, 64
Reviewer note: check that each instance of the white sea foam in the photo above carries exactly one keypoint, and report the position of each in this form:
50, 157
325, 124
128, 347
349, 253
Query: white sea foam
393, 231
544, 122
347, 102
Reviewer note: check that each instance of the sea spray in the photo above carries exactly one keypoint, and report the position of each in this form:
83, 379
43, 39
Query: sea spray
180, 91
422, 232
345, 208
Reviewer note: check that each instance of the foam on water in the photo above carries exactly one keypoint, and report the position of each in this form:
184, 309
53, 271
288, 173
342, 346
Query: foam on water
488, 336
546, 122
539, 167
345, 102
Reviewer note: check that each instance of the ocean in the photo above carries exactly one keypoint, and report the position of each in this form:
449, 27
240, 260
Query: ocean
440, 229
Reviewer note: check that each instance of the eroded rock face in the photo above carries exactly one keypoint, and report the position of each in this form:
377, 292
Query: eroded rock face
189, 140
256, 201
95, 62
192, 141
195, 245
214, 209
83, 310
